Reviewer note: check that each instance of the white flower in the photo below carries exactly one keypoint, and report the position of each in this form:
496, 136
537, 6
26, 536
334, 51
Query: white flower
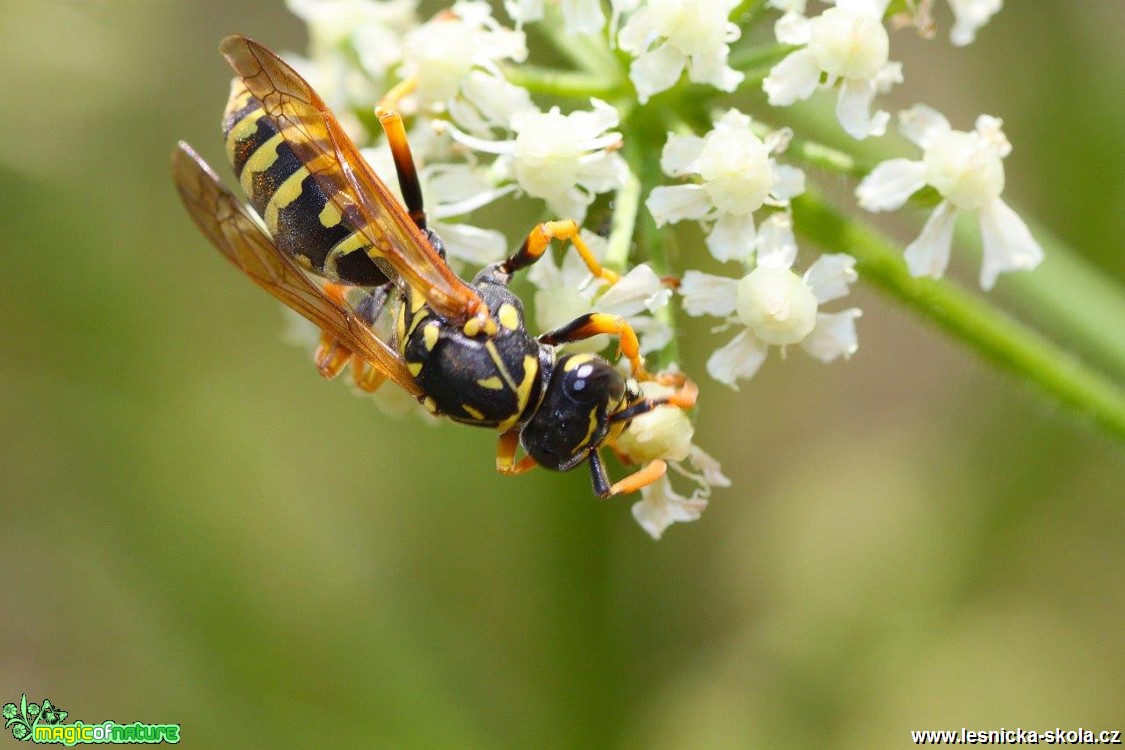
849, 45
737, 177
567, 290
774, 306
487, 102
666, 36
969, 16
441, 52
968, 171
564, 159
665, 433
342, 30
662, 506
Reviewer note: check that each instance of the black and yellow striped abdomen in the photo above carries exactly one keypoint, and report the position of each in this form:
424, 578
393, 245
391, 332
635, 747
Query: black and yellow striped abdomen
302, 221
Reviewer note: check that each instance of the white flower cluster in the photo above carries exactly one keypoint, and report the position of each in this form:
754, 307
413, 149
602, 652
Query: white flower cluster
480, 137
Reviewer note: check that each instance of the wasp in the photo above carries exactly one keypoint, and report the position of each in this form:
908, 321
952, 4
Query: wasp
324, 225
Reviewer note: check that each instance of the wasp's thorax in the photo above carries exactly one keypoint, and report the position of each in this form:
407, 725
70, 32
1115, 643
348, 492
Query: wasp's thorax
584, 392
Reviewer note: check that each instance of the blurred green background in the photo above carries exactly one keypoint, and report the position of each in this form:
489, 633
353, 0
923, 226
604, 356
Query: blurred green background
196, 529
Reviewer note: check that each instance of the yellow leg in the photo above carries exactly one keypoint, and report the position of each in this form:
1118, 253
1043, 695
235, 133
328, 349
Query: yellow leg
639, 479
592, 324
539, 239
394, 97
366, 378
506, 449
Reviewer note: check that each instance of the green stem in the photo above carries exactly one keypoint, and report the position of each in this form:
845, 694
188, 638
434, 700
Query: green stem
647, 129
626, 204
994, 335
570, 84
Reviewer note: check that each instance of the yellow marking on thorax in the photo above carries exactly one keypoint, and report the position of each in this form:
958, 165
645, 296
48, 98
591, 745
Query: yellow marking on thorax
259, 161
490, 347
492, 383
287, 192
474, 413
523, 391
414, 367
242, 130
509, 316
430, 404
473, 326
589, 432
576, 360
430, 335
330, 216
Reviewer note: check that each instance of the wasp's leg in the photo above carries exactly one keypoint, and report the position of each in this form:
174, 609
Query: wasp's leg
635, 481
590, 325
539, 239
332, 357
506, 449
684, 398
391, 120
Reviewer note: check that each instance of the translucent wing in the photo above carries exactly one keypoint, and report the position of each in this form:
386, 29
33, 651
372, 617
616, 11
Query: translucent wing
236, 234
398, 247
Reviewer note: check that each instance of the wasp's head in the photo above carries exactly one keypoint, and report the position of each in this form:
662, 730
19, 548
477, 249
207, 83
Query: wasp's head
573, 419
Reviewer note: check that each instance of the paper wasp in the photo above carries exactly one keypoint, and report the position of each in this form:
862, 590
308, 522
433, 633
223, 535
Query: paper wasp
462, 349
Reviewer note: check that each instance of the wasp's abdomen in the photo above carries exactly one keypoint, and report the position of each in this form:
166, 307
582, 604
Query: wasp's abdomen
304, 223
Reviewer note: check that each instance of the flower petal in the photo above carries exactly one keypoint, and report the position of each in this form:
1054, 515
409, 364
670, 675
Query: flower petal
602, 171
704, 294
636, 292
788, 182
583, 16
741, 358
776, 244
732, 237
591, 124
681, 155
712, 68
793, 28
793, 79
830, 276
710, 468
834, 336
923, 124
669, 204
1008, 244
853, 109
656, 71
969, 16
891, 184
472, 244
929, 254
662, 507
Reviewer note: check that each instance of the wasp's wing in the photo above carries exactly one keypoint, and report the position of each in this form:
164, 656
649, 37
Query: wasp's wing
310, 129
237, 235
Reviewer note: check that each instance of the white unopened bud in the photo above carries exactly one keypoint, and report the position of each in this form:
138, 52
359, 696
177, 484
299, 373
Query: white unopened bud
847, 45
964, 169
665, 432
776, 305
